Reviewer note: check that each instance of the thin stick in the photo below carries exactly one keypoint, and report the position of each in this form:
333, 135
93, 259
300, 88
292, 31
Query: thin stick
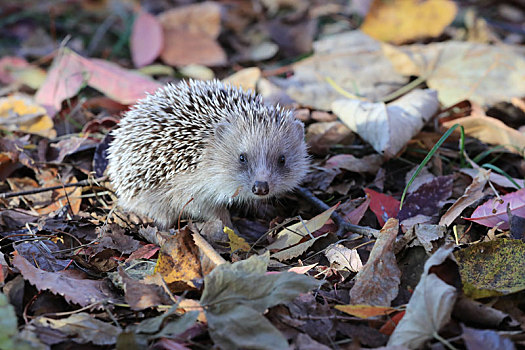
343, 225
86, 182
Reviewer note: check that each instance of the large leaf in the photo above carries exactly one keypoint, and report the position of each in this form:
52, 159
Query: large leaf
236, 295
429, 308
492, 268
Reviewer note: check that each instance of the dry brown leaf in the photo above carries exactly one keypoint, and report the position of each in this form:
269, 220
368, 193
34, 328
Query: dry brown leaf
246, 78
190, 34
141, 295
378, 281
208, 256
400, 21
491, 130
63, 197
79, 291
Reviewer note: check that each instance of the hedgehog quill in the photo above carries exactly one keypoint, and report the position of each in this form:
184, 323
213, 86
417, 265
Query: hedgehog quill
197, 147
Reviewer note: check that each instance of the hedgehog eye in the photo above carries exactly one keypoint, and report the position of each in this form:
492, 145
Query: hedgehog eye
243, 159
282, 160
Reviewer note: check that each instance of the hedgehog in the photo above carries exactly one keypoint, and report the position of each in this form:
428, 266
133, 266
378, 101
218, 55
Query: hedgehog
196, 148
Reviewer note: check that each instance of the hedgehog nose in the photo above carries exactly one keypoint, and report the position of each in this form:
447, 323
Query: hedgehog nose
260, 188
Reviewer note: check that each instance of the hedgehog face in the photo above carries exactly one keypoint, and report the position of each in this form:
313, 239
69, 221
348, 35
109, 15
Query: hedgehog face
261, 161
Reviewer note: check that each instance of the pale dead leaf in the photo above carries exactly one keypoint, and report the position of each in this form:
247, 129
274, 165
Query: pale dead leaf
426, 234
292, 234
341, 257
296, 250
353, 60
498, 179
483, 73
429, 308
388, 127
473, 193
491, 130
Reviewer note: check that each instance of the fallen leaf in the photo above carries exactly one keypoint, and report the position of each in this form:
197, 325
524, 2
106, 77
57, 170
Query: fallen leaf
473, 193
492, 131
426, 234
293, 234
427, 199
378, 281
365, 311
147, 39
235, 296
164, 325
82, 328
141, 295
492, 268
354, 61
407, 20
179, 262
367, 164
74, 290
461, 70
382, 205
18, 70
245, 79
495, 178
388, 127
494, 211
341, 257
9, 337
190, 34
236, 243
70, 72
20, 113
430, 306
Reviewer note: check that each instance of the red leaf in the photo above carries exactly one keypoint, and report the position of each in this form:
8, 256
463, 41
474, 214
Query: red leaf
147, 39
382, 205
493, 211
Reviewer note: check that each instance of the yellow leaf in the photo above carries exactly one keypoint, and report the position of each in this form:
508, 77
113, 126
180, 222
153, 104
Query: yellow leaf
20, 113
399, 21
179, 262
236, 242
365, 311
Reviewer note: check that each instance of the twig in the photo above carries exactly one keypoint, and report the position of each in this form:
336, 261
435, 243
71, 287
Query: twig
86, 182
343, 225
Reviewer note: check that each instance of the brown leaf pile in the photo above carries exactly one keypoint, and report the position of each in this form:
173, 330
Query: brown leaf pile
390, 243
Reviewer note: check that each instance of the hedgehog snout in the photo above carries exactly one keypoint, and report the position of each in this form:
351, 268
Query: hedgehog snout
260, 188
